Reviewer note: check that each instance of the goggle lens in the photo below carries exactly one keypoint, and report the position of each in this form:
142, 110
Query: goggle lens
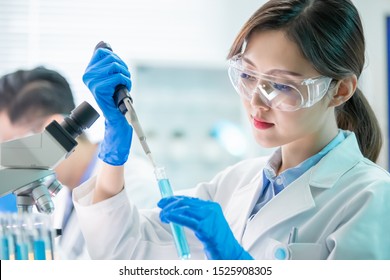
274, 94
277, 92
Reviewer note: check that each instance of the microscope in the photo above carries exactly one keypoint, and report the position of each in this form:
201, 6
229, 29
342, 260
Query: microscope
26, 164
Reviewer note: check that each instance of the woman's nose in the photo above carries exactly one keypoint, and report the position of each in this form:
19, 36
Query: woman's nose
256, 101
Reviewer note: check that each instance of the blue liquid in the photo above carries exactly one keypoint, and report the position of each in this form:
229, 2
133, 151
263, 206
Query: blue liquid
4, 249
21, 251
178, 232
39, 250
165, 187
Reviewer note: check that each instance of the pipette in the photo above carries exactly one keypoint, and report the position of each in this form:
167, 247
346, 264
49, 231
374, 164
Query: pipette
124, 102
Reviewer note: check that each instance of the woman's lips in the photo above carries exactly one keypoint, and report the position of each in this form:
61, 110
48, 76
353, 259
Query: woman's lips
260, 124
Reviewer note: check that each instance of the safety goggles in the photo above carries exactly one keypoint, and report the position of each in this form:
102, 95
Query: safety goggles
279, 93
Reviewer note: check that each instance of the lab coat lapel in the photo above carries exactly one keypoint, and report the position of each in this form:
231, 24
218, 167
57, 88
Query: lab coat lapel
293, 200
297, 197
241, 205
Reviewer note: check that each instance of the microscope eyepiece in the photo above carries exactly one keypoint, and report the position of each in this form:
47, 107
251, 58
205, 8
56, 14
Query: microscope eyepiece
82, 117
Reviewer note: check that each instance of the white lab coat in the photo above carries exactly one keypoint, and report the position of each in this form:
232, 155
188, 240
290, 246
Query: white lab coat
143, 192
341, 208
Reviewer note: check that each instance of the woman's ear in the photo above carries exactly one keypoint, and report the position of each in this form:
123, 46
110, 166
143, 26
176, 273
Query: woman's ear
343, 91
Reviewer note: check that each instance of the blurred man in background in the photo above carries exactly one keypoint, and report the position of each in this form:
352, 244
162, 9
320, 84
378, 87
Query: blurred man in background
29, 101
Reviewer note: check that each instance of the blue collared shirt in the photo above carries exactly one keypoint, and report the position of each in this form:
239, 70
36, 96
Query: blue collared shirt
273, 184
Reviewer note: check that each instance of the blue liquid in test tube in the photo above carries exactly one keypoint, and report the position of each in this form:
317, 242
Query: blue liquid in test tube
179, 237
4, 249
21, 251
39, 250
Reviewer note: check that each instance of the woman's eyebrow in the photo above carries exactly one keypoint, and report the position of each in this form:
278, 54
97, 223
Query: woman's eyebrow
248, 61
274, 71
281, 71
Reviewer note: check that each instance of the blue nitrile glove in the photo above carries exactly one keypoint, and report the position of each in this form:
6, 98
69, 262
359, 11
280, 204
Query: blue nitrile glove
206, 219
104, 72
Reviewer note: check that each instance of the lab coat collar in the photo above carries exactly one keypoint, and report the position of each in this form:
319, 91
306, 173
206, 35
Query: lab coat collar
239, 208
297, 197
343, 157
293, 200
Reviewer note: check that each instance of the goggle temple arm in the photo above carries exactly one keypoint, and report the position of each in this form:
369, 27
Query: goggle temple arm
316, 90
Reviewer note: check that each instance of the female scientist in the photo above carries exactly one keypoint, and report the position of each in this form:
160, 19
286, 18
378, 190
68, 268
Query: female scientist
295, 64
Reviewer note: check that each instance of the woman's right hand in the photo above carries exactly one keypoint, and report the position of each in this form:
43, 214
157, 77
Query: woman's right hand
104, 73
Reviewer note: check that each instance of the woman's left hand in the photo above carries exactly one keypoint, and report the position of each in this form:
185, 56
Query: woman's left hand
206, 219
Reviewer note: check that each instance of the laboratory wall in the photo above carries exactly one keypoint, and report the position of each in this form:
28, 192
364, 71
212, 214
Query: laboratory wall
374, 80
176, 51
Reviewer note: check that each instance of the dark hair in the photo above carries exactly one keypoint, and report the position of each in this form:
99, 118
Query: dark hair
330, 35
42, 92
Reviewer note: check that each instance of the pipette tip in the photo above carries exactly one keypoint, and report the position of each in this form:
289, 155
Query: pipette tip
151, 160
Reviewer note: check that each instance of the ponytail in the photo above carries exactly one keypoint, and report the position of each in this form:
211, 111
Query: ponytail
356, 115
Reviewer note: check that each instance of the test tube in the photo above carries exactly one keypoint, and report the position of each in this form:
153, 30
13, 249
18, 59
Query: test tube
42, 244
4, 237
21, 237
179, 237
4, 253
